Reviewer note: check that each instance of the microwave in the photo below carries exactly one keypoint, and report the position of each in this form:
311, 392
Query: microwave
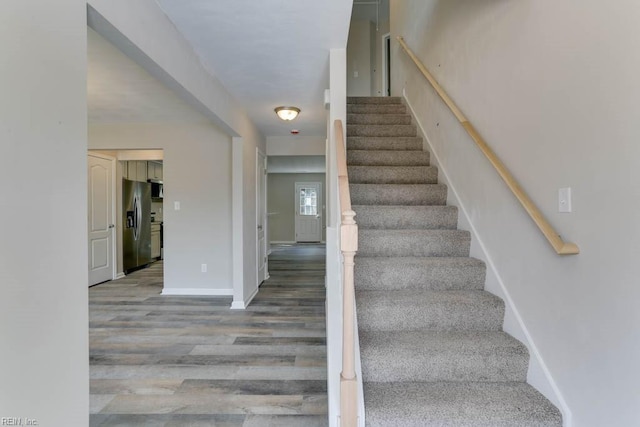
157, 191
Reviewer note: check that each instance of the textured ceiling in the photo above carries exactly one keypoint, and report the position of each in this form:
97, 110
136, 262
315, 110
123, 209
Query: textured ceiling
267, 53
119, 90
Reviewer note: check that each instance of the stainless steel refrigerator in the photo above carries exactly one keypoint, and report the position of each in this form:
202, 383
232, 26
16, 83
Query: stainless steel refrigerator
136, 224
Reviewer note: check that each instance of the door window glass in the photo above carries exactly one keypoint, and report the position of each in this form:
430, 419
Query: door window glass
308, 203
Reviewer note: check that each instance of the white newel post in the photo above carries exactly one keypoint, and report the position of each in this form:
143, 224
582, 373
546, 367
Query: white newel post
348, 381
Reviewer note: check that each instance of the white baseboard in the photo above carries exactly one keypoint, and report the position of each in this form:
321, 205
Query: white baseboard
282, 242
119, 276
198, 291
241, 305
536, 360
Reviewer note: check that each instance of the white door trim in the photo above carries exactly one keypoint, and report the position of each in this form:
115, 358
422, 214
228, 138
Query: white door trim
237, 221
261, 215
114, 238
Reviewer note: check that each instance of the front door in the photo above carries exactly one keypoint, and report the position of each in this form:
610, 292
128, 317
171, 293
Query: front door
100, 218
308, 203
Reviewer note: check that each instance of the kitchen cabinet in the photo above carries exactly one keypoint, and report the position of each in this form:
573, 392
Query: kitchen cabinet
155, 240
141, 168
154, 171
136, 170
125, 169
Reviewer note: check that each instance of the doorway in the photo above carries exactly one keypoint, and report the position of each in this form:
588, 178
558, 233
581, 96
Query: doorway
308, 215
386, 64
108, 217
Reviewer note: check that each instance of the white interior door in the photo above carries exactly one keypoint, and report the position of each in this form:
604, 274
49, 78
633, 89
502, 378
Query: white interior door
308, 204
100, 218
261, 214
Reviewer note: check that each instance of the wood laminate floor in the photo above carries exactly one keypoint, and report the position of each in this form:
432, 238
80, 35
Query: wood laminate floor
191, 361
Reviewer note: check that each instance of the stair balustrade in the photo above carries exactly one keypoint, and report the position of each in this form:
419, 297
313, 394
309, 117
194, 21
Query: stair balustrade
560, 246
348, 247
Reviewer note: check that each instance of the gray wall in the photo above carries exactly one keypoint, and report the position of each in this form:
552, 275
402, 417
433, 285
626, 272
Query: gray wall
44, 374
553, 87
162, 49
280, 199
359, 58
197, 173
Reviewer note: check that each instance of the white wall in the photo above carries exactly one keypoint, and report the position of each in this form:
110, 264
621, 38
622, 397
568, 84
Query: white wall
143, 32
296, 164
553, 87
296, 145
338, 111
197, 173
44, 374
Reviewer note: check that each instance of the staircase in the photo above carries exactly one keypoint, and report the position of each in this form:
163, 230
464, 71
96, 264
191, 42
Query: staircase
432, 346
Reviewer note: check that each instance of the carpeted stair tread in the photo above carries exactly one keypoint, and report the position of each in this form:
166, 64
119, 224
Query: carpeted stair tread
434, 273
384, 143
378, 119
398, 243
389, 356
406, 217
454, 404
387, 158
398, 194
393, 174
432, 348
414, 310
376, 109
374, 100
381, 130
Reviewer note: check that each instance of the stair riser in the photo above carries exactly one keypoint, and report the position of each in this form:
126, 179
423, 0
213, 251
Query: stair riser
381, 130
378, 119
384, 143
376, 109
499, 366
393, 174
419, 314
374, 194
387, 158
413, 243
374, 100
469, 404
372, 274
406, 217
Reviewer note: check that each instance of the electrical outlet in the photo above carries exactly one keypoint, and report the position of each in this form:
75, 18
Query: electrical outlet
564, 200
203, 268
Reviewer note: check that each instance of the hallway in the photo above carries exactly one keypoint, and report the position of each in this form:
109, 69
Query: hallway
170, 361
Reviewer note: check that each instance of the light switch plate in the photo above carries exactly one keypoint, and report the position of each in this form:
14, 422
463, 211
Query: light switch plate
176, 206
564, 200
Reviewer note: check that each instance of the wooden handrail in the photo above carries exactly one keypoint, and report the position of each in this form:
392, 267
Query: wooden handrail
561, 247
348, 247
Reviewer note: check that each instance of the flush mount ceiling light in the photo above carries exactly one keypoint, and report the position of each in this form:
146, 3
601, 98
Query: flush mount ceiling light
287, 113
